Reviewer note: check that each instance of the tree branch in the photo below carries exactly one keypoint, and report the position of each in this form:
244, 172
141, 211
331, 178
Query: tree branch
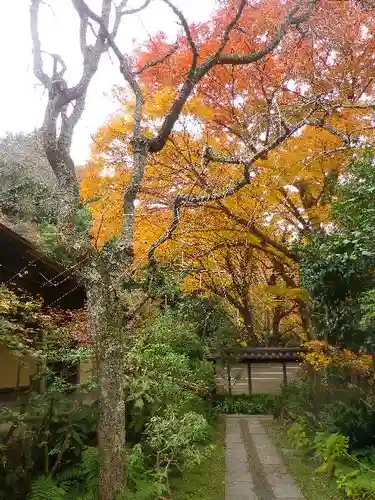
37, 51
196, 74
167, 234
188, 34
295, 211
290, 20
229, 28
137, 9
155, 62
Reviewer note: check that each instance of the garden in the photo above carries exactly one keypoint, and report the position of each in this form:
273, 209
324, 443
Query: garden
189, 178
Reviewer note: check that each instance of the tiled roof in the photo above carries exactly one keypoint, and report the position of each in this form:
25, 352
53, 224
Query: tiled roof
260, 354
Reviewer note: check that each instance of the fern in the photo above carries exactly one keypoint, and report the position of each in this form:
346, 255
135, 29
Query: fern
145, 490
44, 488
81, 481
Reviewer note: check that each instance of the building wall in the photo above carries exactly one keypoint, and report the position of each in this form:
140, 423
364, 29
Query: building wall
266, 377
12, 367
86, 370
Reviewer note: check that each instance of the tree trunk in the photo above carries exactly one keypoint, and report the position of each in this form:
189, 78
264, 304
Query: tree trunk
248, 322
106, 325
305, 312
277, 315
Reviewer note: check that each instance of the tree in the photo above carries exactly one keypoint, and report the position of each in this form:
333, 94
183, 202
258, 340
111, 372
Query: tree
286, 198
337, 268
107, 271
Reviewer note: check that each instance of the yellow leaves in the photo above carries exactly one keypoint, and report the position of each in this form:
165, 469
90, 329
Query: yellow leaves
196, 107
320, 214
281, 291
323, 355
159, 104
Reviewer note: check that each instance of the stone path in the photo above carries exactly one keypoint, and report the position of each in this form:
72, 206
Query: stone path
254, 469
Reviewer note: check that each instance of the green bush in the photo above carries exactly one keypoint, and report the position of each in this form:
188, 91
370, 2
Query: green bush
44, 488
256, 404
332, 405
357, 485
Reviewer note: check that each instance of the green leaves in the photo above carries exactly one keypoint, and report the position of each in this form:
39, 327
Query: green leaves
337, 267
332, 450
44, 488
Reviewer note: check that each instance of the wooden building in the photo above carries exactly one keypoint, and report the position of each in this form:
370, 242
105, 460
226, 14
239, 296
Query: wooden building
23, 267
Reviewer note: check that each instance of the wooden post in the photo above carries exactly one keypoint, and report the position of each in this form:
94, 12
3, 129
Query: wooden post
249, 379
229, 378
285, 377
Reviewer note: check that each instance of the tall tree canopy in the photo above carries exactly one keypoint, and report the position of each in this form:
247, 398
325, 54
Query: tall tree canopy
248, 171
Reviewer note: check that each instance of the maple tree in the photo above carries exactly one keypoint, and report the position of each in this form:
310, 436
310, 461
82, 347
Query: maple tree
325, 78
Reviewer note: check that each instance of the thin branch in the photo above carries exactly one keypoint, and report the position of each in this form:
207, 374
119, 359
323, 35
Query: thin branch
155, 62
137, 9
167, 234
187, 200
83, 35
56, 59
84, 10
290, 20
195, 76
229, 28
37, 51
188, 34
295, 211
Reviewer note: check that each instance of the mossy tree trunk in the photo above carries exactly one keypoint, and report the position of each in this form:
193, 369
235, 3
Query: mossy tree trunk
106, 326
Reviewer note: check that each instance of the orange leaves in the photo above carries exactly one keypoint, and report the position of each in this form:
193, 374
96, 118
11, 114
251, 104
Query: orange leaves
322, 70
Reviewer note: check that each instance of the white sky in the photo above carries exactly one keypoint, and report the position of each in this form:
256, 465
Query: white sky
21, 98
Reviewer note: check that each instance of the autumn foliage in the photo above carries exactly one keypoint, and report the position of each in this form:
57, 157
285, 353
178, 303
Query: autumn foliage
242, 247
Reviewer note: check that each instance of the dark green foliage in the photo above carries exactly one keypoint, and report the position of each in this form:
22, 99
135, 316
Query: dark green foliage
211, 322
166, 369
45, 434
257, 404
76, 483
337, 268
331, 405
44, 488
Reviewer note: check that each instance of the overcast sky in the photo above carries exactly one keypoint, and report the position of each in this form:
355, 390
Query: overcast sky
22, 99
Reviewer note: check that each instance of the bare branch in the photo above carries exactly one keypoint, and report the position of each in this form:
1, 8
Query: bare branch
37, 52
167, 234
188, 34
56, 59
84, 10
83, 35
137, 9
155, 62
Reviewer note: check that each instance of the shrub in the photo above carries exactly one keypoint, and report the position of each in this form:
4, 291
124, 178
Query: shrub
301, 436
256, 404
331, 449
330, 404
357, 485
